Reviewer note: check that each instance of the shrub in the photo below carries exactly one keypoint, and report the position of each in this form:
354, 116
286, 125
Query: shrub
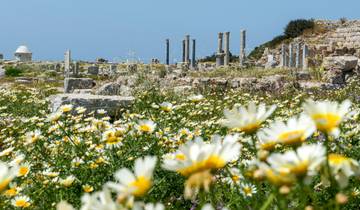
13, 71
296, 27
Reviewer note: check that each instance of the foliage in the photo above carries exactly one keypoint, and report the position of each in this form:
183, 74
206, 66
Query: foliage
296, 27
212, 58
12, 71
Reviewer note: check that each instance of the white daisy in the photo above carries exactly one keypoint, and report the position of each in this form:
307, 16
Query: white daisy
247, 119
327, 115
137, 183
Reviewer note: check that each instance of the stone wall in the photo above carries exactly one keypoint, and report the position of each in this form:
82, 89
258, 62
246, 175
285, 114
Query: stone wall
331, 38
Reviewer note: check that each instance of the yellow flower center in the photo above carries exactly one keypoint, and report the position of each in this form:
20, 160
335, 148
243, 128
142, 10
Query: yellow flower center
23, 170
235, 178
337, 159
22, 203
180, 156
300, 169
112, 139
10, 192
247, 190
142, 185
291, 137
250, 128
212, 162
166, 109
145, 128
326, 122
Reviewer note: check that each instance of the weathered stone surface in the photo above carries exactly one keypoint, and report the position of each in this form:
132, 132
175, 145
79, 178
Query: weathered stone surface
335, 76
343, 63
109, 89
185, 89
127, 80
70, 84
270, 83
83, 91
94, 70
303, 75
111, 104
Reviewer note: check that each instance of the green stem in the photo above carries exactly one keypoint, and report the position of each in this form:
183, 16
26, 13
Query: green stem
268, 202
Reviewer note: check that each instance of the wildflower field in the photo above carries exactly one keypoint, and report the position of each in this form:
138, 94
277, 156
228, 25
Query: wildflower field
208, 150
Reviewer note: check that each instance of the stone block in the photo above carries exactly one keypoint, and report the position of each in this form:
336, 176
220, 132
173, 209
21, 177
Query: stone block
70, 84
111, 104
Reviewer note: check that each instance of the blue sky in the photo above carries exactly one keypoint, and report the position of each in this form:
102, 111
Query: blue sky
113, 28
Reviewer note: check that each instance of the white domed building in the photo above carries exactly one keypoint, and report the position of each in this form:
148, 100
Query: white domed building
23, 54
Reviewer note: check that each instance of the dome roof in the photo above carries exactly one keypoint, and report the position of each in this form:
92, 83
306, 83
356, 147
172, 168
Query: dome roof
23, 49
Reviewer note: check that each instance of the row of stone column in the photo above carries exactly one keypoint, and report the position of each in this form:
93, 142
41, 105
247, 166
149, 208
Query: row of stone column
223, 55
294, 56
185, 52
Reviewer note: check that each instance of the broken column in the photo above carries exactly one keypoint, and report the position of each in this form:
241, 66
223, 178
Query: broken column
67, 67
193, 59
291, 55
76, 68
305, 54
183, 51
227, 49
167, 52
187, 49
242, 55
220, 54
298, 55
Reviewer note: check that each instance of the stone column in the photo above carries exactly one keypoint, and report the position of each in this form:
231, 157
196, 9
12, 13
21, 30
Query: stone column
219, 54
227, 49
183, 51
283, 56
167, 60
305, 54
291, 55
242, 55
76, 68
187, 49
298, 56
67, 67
193, 59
